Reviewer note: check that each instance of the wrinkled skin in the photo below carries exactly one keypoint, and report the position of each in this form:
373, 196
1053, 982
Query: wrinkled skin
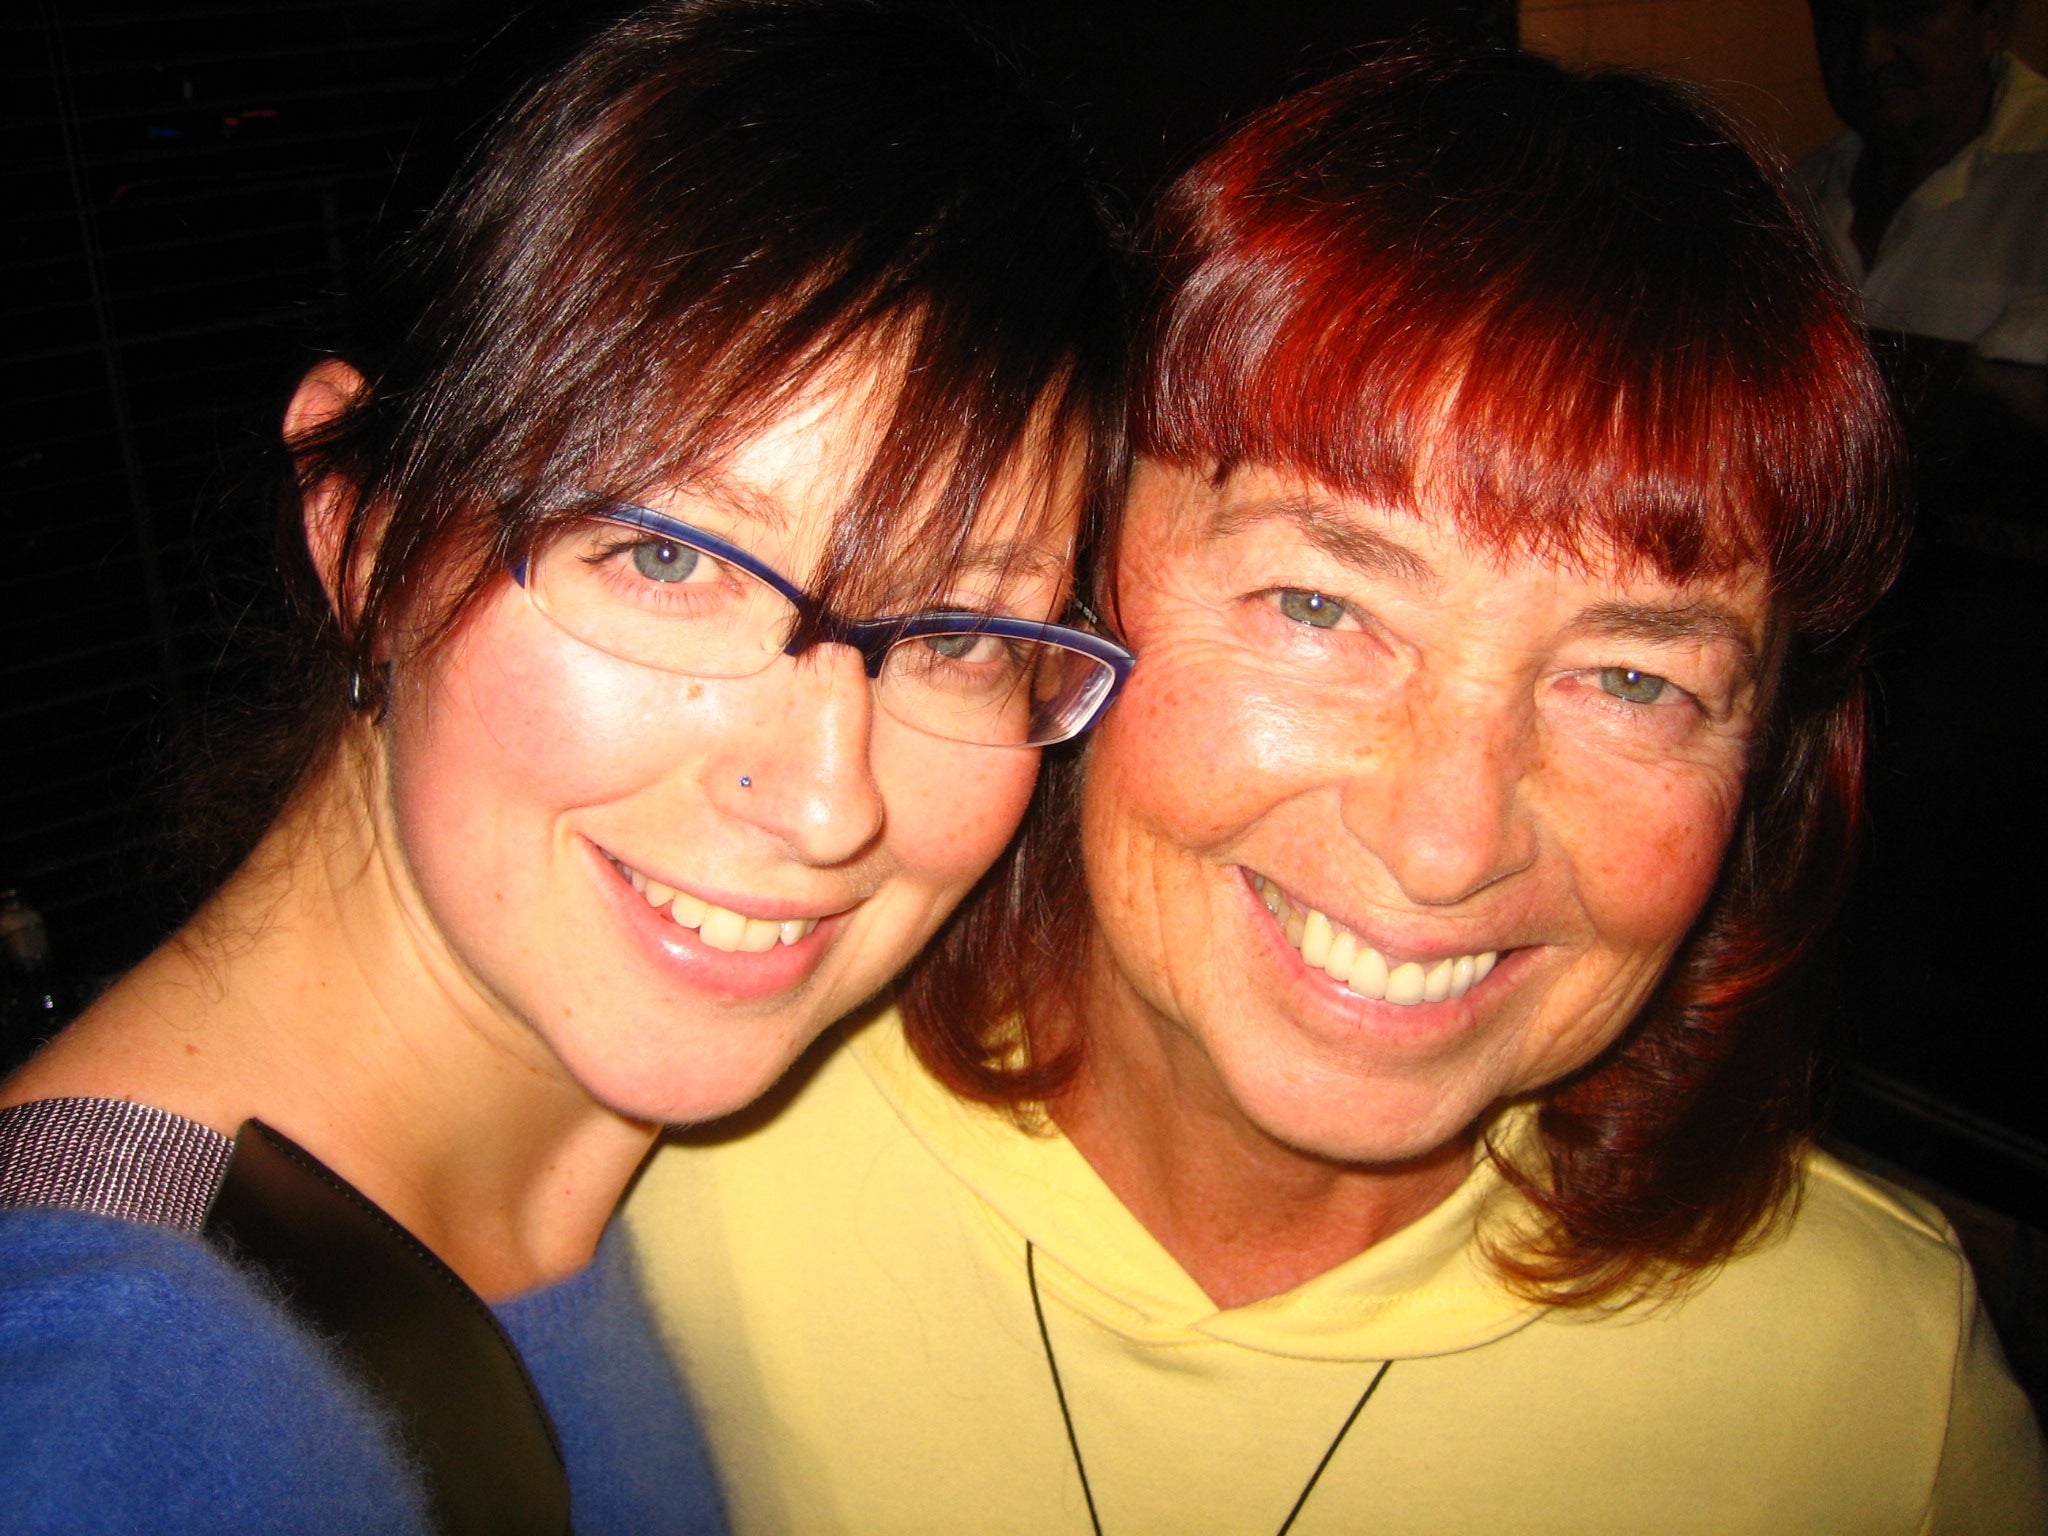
1447, 753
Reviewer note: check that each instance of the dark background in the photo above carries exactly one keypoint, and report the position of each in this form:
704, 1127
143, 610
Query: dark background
189, 185
187, 188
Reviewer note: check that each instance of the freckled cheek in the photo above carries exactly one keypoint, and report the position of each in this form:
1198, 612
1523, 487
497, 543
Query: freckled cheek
950, 809
1195, 752
557, 723
1646, 862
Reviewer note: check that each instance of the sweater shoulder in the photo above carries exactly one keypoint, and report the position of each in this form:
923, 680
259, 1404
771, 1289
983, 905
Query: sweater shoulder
1865, 1227
153, 1386
636, 1456
1854, 1259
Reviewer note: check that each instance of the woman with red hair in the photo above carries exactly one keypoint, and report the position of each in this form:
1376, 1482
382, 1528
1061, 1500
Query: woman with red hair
1377, 1090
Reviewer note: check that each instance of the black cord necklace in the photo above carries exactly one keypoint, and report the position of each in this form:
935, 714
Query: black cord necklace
1074, 1443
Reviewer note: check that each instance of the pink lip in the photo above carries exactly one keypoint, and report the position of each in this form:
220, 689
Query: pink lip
726, 977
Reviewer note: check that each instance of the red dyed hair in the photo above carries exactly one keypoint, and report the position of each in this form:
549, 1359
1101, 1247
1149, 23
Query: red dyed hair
1584, 318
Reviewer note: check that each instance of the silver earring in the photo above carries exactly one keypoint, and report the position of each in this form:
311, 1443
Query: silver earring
745, 782
365, 700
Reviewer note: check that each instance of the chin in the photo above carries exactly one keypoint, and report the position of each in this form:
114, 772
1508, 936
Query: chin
1374, 1125
666, 1092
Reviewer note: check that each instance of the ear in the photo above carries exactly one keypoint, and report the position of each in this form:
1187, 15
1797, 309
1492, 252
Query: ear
323, 394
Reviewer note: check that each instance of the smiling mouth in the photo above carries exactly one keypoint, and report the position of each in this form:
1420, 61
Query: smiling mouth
719, 927
1346, 958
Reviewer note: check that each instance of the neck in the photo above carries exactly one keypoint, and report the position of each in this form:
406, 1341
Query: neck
1245, 1214
311, 993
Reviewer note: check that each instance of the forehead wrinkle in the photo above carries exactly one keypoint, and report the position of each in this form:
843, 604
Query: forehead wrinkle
1332, 531
1697, 621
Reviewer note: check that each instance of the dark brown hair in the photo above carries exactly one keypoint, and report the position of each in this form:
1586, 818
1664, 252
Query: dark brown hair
646, 258
1585, 316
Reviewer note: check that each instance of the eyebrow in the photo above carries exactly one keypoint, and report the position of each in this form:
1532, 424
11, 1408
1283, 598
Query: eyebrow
757, 506
1365, 549
1333, 532
737, 497
1032, 559
1028, 558
1702, 622
1022, 560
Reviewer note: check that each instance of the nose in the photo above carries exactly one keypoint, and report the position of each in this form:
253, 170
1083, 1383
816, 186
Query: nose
1439, 801
803, 774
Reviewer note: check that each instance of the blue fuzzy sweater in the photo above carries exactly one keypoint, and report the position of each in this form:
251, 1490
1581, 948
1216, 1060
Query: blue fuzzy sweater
147, 1385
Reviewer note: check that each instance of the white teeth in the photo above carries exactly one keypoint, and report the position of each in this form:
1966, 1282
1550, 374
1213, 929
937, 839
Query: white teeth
1316, 937
722, 929
1368, 973
1405, 983
1436, 985
1343, 954
1348, 959
719, 927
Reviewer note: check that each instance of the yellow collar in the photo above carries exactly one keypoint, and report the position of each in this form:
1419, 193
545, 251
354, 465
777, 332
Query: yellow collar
1424, 1291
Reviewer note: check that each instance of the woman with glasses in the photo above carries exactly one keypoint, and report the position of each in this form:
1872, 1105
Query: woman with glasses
681, 564
1374, 1095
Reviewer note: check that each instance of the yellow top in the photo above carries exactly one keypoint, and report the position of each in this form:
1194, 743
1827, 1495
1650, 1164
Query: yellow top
844, 1284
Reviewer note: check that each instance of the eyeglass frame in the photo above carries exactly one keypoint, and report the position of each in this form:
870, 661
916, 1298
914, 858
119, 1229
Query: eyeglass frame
872, 638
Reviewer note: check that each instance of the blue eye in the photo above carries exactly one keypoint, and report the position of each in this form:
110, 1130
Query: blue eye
1632, 686
665, 560
1310, 608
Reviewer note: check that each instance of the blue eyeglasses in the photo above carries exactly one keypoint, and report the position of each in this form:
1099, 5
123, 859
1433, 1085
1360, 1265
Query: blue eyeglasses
656, 591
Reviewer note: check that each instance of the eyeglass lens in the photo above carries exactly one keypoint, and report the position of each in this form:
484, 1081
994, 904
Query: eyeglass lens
662, 602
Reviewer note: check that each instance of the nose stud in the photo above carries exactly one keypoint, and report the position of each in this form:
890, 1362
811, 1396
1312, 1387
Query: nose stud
745, 782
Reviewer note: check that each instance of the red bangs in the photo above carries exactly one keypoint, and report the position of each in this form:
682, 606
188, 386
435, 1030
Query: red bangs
1627, 348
